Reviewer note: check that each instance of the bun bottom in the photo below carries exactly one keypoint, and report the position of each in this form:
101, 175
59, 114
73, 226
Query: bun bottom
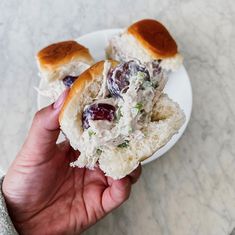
167, 118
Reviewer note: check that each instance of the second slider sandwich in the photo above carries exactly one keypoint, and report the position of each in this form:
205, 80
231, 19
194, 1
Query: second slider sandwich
60, 64
148, 41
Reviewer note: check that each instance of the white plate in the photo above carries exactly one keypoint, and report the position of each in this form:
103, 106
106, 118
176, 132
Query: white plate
178, 87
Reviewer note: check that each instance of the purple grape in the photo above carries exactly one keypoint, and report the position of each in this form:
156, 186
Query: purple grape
69, 80
98, 111
118, 78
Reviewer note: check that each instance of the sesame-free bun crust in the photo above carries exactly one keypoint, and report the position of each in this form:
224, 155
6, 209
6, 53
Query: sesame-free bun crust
154, 37
61, 53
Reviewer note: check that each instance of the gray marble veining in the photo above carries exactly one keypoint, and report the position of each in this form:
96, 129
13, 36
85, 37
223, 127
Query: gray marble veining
189, 191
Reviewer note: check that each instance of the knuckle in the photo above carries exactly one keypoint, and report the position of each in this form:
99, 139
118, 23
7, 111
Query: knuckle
37, 117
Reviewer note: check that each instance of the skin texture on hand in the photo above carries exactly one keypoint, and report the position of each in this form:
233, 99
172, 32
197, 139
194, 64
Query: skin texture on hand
44, 195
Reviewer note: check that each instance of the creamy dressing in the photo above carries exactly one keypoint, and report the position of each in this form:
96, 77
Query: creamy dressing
103, 90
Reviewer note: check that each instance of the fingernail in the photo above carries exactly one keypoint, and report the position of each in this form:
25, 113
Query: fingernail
59, 102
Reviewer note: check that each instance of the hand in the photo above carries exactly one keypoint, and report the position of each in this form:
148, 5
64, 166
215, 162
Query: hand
44, 195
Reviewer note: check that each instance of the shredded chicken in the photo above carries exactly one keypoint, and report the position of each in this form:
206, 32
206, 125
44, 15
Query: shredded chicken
133, 112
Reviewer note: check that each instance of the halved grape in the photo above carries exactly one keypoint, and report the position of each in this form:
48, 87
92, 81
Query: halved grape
69, 80
98, 111
119, 77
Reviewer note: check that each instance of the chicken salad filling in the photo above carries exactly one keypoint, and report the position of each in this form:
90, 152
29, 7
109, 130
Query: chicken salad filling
122, 108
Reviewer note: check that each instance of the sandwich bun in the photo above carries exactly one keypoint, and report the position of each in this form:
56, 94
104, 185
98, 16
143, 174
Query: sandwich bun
166, 119
62, 59
147, 40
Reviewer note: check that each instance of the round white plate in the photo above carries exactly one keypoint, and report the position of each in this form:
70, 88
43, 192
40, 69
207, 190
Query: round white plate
178, 86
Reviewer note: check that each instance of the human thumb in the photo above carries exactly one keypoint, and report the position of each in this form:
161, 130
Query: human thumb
45, 129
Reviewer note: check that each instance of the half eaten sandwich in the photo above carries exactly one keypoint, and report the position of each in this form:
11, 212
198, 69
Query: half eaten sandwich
148, 41
116, 116
60, 64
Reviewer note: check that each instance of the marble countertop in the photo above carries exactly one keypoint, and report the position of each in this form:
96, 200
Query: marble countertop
191, 189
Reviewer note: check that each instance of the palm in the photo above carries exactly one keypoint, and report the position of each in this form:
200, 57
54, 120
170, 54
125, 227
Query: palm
62, 199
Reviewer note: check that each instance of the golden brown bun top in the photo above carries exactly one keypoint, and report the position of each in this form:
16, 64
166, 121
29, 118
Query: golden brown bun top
83, 80
62, 52
154, 37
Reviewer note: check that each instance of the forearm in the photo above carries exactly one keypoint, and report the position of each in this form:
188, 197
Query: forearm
6, 225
